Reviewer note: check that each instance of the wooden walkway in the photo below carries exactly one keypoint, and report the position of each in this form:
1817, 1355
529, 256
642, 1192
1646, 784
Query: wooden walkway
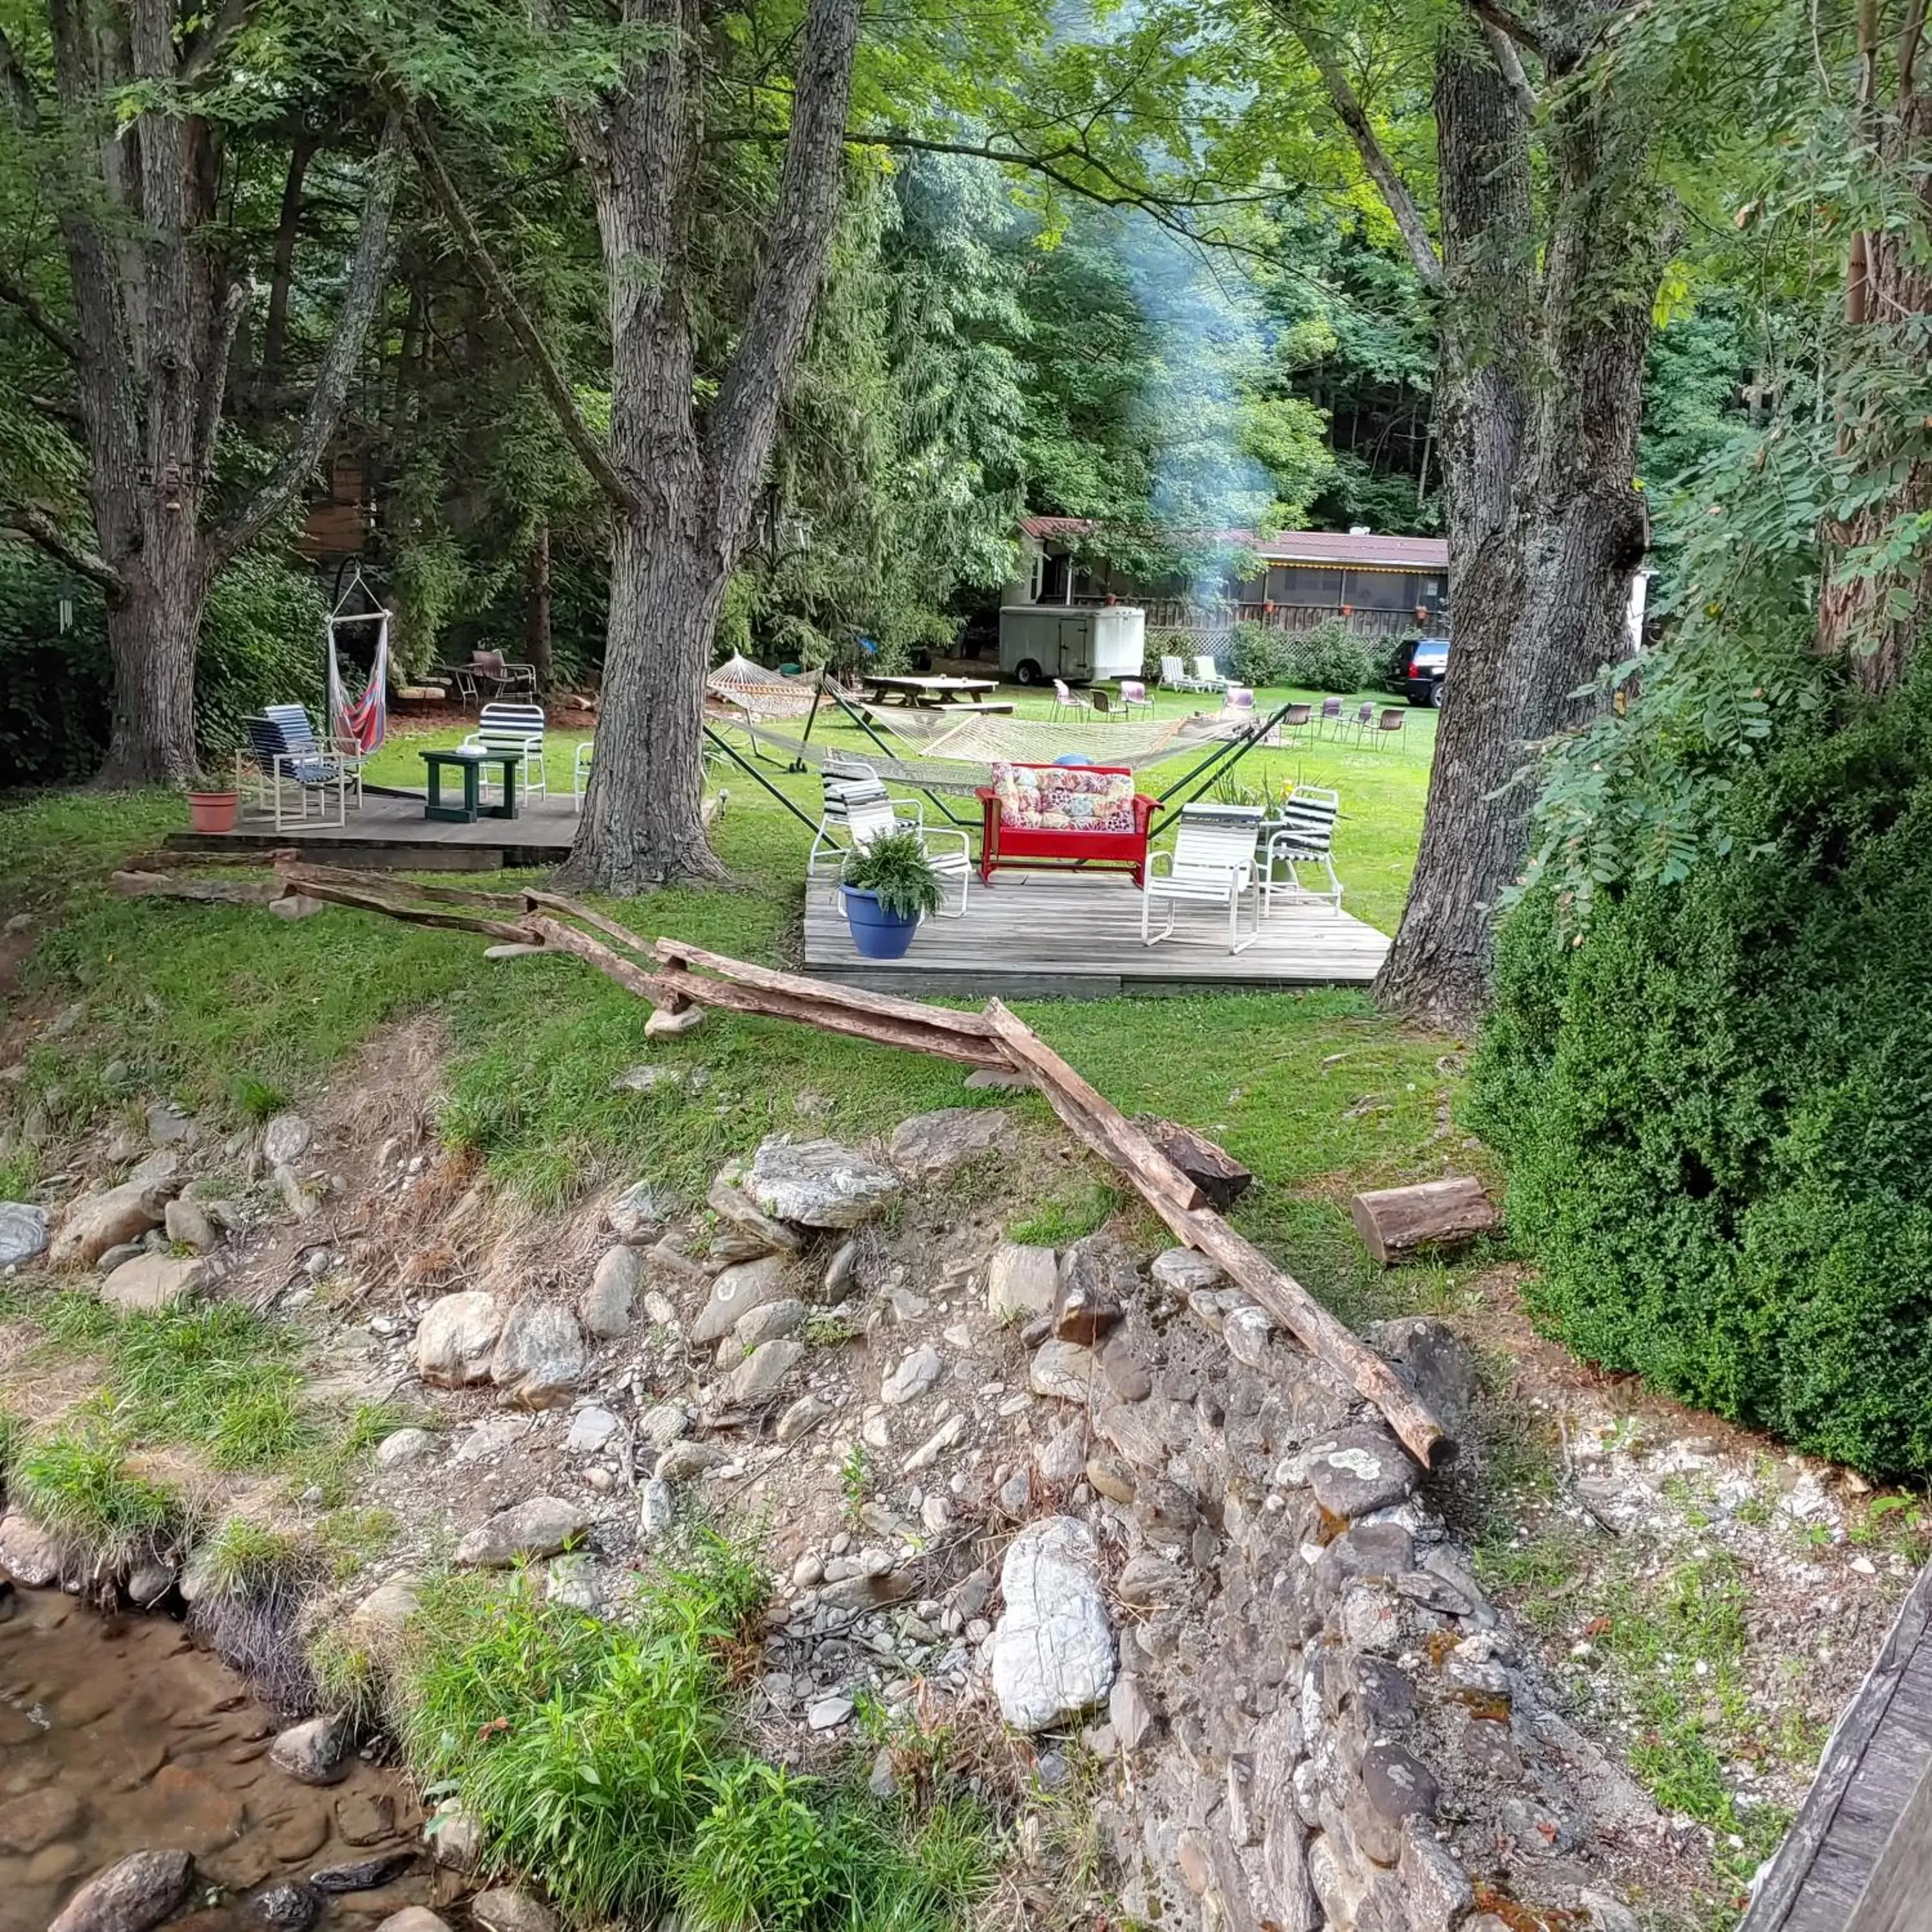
390, 831
1858, 1855
1042, 935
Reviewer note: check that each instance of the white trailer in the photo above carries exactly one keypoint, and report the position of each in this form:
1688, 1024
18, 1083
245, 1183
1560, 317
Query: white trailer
1083, 643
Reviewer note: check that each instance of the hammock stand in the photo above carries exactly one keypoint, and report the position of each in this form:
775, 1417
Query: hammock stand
364, 723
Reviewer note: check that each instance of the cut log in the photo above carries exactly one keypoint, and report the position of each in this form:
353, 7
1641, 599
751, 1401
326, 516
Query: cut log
1218, 1174
218, 892
1395, 1222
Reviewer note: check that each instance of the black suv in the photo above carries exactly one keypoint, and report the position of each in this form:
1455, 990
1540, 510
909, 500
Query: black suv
1417, 671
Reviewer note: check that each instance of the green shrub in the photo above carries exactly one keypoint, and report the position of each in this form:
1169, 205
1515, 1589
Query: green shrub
1331, 657
1259, 654
1715, 1102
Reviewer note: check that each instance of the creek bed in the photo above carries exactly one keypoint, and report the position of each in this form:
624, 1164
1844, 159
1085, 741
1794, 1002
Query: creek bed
119, 1734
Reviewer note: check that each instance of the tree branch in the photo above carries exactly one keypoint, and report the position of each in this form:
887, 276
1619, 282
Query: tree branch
1375, 163
37, 319
1509, 65
214, 381
367, 275
589, 446
205, 45
1494, 13
15, 87
39, 529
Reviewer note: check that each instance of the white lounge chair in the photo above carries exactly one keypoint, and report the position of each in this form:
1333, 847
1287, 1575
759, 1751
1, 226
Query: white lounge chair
1303, 835
512, 727
1174, 677
1207, 674
857, 808
1212, 863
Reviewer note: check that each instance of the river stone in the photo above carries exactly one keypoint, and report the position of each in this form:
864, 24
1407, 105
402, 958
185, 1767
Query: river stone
1020, 1282
140, 1891
642, 1207
147, 1582
539, 1527
1062, 1369
730, 1203
819, 1183
912, 1378
657, 1507
152, 1281
803, 1416
736, 1292
315, 1752
758, 1377
413, 1918
1183, 1270
1249, 1332
614, 1291
23, 1232
186, 1223
1356, 1471
681, 1461
503, 1910
364, 1874
540, 1355
285, 1140
661, 1425
1129, 1712
388, 1607
289, 1907
1435, 1888
38, 1819
932, 1143
457, 1337
28, 1553
770, 1321
96, 1222
403, 1447
574, 1582
590, 1428
1053, 1649
1395, 1785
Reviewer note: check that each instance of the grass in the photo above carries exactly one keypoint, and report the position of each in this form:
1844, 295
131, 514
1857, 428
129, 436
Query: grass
603, 1756
216, 1377
77, 1484
241, 1557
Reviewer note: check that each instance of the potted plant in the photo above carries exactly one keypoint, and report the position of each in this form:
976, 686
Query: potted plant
212, 803
887, 888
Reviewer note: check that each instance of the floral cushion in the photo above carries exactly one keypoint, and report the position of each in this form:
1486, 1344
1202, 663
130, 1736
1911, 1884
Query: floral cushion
1064, 798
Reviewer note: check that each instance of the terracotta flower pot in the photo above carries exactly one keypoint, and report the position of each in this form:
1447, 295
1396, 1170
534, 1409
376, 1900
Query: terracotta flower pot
212, 810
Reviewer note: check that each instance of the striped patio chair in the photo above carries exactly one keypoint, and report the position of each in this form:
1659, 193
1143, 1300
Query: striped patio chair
293, 768
1302, 835
512, 727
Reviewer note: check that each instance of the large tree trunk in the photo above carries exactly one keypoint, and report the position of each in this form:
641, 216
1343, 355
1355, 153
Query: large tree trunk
153, 628
536, 610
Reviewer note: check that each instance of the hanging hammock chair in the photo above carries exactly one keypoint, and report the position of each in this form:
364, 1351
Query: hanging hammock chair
363, 721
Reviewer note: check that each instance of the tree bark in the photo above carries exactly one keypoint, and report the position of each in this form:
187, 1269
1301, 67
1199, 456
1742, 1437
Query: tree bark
536, 610
288, 228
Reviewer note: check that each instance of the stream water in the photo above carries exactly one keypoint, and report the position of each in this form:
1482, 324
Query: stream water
119, 1734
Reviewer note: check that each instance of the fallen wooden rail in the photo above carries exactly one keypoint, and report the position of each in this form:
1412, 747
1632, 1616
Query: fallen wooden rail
676, 977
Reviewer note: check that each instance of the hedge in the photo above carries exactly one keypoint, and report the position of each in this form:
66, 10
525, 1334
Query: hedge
1716, 1106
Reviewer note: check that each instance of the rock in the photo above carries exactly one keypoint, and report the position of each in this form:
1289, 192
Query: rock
1063, 1460
1435, 1888
803, 1416
730, 1203
1130, 1713
1123, 1371
285, 1140
1095, 1275
147, 1583
1111, 1477
1358, 1471
883, 1783
590, 1428
841, 1270
1132, 1431
683, 1460
911, 1378
539, 1527
945, 1437
96, 1222
613, 1293
1249, 1332
661, 1425
504, 1910
292, 1906
1435, 1362
118, 1256
185, 1223
315, 1752
829, 1713
573, 1581
37, 1818
1395, 1787
642, 1207
664, 1021
739, 1289
1062, 1369
492, 1436
388, 1607
140, 1891
413, 1918
23, 1232
454, 1838
403, 1447
757, 1379
1020, 1282
770, 1321
645, 1079
1183, 1271
540, 1356
1053, 1649
364, 1875
819, 1183
152, 1281
657, 1507
28, 1553
300, 1199
1145, 1580
456, 1339
933, 1143
999, 1079
167, 1128
1605, 1913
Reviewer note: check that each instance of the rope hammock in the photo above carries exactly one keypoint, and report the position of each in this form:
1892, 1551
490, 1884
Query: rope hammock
365, 722
756, 692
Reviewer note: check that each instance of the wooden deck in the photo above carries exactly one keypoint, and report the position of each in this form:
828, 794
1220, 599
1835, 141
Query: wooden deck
390, 832
1039, 935
1858, 1856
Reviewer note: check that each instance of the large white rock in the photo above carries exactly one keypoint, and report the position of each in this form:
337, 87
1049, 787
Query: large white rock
96, 1222
23, 1232
736, 1293
614, 1290
1020, 1282
819, 1183
151, 1281
539, 1527
541, 1356
456, 1338
28, 1553
1053, 1649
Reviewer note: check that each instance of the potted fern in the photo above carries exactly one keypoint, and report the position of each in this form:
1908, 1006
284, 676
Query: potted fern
887, 887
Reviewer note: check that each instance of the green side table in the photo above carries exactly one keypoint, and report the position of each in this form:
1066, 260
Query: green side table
472, 764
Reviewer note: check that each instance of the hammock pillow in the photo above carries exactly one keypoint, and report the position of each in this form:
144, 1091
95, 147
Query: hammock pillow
1064, 798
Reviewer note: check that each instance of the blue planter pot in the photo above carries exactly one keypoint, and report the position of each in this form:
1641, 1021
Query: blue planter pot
877, 933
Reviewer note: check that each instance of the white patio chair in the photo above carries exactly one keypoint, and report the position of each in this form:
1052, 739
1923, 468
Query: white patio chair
580, 773
1207, 674
1303, 835
1066, 702
1212, 863
1174, 677
501, 728
870, 814
1134, 696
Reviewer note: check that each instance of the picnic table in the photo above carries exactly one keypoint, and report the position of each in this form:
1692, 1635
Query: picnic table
472, 765
912, 690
